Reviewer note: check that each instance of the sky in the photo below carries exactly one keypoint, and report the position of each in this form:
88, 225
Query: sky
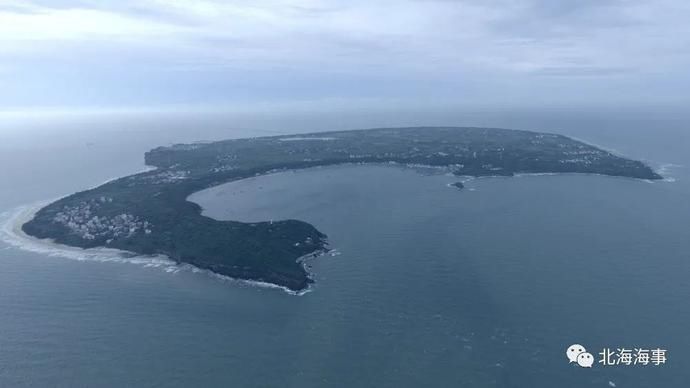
303, 54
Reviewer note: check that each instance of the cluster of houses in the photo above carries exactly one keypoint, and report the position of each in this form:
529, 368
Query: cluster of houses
83, 221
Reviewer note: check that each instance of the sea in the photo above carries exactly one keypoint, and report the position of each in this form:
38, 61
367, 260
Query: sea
426, 285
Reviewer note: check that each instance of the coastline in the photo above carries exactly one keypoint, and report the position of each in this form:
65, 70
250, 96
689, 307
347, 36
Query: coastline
662, 168
12, 234
665, 171
236, 248
11, 230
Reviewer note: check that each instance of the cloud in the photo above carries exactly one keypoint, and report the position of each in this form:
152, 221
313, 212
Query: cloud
581, 71
163, 49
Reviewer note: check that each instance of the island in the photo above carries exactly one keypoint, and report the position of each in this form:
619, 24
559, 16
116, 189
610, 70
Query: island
148, 213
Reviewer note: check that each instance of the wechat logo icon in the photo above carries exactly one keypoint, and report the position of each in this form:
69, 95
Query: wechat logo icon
578, 354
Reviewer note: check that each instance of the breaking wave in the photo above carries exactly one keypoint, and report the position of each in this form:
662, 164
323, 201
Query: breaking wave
665, 171
12, 234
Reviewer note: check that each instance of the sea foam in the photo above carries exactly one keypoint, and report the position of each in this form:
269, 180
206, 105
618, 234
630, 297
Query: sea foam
665, 171
12, 234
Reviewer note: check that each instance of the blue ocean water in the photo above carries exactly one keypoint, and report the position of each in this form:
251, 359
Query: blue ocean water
433, 286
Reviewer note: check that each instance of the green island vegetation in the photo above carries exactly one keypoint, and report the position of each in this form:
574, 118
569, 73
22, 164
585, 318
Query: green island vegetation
148, 213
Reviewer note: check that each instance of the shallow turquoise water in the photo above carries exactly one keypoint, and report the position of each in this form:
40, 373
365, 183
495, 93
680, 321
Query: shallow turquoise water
433, 287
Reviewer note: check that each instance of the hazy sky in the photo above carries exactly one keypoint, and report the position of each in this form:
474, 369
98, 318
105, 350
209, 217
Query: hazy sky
62, 53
